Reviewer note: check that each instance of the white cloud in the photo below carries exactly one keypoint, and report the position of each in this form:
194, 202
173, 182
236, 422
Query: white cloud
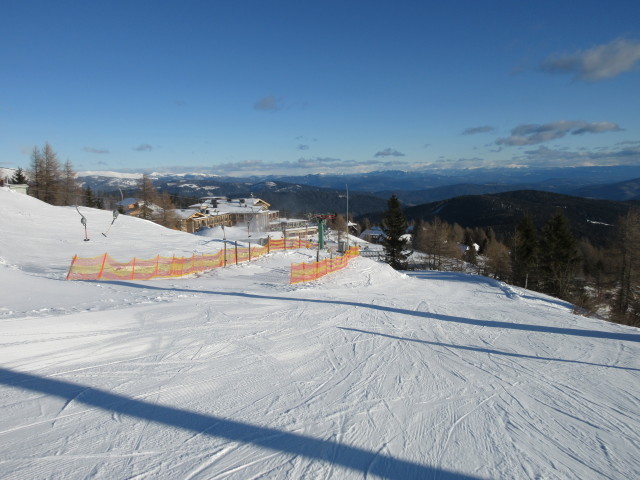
476, 130
550, 157
145, 147
597, 63
531, 134
389, 152
96, 150
268, 104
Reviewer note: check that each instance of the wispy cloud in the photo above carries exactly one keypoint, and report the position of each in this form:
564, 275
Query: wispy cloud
389, 152
96, 150
531, 134
144, 147
268, 104
476, 130
303, 147
597, 63
553, 157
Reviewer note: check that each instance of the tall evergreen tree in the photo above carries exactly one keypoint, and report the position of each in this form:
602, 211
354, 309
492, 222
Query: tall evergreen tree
471, 254
524, 254
394, 226
90, 200
559, 257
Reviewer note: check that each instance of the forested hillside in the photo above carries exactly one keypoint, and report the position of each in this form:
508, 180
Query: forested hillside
588, 218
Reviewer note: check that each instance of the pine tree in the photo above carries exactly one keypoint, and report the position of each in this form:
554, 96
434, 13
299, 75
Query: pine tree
470, 254
524, 254
19, 177
394, 226
90, 199
559, 257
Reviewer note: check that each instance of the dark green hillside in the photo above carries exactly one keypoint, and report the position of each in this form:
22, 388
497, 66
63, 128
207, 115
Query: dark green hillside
627, 190
590, 218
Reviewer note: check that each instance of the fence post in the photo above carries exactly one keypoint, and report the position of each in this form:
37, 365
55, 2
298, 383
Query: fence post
157, 261
133, 268
249, 250
236, 252
102, 266
71, 266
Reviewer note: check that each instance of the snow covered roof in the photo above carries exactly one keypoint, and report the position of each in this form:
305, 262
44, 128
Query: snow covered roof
373, 231
127, 201
184, 213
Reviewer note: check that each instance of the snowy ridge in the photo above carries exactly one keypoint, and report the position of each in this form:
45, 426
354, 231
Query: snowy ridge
235, 374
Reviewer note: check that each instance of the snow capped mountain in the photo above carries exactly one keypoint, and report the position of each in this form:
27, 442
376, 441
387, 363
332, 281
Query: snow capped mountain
235, 373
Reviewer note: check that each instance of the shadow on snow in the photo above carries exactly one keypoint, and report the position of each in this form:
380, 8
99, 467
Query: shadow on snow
486, 350
353, 458
629, 337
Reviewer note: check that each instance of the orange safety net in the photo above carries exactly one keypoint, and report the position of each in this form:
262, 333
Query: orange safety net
104, 267
307, 272
290, 243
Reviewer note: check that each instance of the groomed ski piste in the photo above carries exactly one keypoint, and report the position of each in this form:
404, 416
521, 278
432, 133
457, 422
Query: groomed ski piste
235, 374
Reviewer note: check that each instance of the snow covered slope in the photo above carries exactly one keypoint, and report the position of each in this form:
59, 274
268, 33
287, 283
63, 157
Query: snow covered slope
235, 374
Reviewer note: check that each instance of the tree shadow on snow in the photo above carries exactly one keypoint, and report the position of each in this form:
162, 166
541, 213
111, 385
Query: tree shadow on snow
486, 350
629, 337
353, 458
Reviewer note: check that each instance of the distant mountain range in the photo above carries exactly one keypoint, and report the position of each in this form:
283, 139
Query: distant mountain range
421, 187
412, 188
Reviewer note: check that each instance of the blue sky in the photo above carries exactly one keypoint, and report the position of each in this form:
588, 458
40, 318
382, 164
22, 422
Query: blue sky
296, 87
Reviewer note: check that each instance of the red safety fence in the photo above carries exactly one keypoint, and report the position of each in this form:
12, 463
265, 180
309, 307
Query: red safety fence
104, 267
307, 272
